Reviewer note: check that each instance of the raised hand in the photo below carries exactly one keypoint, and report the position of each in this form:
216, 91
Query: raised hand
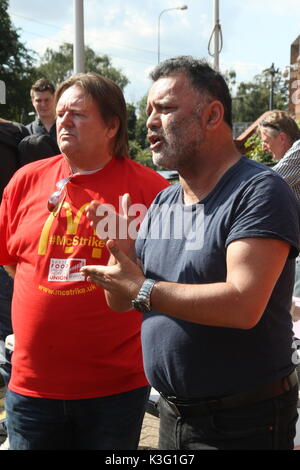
122, 281
108, 224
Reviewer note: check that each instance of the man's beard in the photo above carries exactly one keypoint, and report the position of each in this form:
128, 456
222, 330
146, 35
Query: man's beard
177, 151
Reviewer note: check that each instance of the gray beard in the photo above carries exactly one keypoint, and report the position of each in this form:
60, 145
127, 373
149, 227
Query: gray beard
175, 157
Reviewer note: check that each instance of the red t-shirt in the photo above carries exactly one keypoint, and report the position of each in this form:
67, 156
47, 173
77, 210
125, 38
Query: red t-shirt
68, 343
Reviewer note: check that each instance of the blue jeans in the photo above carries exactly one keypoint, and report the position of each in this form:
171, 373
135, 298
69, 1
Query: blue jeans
6, 291
107, 423
268, 425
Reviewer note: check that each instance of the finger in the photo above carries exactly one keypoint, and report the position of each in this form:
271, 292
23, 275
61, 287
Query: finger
126, 203
90, 279
94, 274
102, 216
92, 207
96, 280
91, 211
91, 270
115, 250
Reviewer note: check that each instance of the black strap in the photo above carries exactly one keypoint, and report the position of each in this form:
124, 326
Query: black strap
258, 394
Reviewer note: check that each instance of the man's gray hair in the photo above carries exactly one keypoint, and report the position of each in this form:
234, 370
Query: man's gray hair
203, 78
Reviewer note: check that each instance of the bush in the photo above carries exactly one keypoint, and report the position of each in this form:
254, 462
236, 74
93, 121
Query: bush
255, 151
134, 149
143, 156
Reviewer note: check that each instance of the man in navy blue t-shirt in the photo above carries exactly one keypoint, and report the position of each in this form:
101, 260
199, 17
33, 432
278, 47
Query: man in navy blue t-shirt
213, 275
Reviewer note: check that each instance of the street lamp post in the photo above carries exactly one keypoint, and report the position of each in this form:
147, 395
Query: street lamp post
272, 71
183, 7
78, 52
216, 35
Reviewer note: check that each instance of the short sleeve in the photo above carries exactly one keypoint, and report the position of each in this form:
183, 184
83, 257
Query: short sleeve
5, 258
267, 208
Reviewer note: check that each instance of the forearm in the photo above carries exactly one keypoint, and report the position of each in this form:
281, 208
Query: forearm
217, 304
253, 268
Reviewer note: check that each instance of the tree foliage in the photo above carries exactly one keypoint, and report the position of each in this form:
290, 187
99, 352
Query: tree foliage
252, 98
19, 71
140, 128
131, 121
255, 152
16, 69
57, 66
138, 144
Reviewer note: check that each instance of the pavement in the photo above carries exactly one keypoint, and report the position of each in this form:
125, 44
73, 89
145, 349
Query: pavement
149, 434
2, 416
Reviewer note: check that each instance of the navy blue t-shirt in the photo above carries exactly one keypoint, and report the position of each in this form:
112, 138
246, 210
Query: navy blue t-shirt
187, 244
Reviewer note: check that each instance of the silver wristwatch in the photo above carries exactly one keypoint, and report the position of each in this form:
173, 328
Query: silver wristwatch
142, 300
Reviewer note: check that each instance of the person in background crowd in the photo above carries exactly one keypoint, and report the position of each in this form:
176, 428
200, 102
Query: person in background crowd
43, 129
43, 100
11, 134
280, 137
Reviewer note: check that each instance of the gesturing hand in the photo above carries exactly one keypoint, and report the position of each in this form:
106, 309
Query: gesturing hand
122, 280
109, 224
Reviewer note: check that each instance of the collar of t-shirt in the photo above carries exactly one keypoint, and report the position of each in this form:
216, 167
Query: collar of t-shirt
87, 172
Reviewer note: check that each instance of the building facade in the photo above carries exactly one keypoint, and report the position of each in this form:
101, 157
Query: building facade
294, 86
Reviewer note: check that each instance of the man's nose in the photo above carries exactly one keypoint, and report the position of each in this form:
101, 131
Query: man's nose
153, 121
264, 146
66, 119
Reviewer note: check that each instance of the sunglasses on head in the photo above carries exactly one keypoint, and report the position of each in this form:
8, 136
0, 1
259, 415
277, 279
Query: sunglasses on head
57, 197
265, 123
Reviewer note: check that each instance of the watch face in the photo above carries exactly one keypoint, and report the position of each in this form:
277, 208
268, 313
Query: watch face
142, 301
140, 306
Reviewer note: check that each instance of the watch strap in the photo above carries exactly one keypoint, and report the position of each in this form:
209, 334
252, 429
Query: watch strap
142, 300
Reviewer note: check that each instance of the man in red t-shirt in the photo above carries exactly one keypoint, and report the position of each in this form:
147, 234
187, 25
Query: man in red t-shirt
77, 378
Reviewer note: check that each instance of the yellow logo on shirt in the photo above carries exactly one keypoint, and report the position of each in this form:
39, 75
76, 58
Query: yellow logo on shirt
70, 240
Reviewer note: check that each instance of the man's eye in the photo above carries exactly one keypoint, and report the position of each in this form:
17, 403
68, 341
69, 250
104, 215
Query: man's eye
166, 109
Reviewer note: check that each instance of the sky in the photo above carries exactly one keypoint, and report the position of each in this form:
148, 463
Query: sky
256, 33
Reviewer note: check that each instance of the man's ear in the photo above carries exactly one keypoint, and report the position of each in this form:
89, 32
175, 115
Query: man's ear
113, 126
214, 114
284, 138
